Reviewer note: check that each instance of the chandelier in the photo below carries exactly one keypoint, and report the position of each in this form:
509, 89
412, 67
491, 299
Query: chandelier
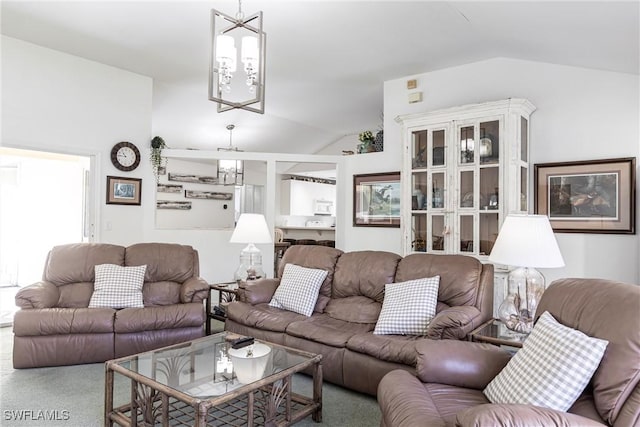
228, 88
230, 172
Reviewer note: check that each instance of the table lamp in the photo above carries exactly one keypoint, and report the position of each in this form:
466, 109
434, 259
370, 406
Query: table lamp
251, 229
526, 242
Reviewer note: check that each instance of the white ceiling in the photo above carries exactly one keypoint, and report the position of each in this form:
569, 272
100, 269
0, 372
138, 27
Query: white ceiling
326, 60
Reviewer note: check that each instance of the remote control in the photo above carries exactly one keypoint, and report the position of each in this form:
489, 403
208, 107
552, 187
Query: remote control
241, 342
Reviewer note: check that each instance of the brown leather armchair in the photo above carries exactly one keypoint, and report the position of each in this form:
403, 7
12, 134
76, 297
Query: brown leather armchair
55, 326
450, 375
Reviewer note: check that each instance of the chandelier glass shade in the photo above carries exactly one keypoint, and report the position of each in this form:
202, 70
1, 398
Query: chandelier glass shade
230, 171
228, 87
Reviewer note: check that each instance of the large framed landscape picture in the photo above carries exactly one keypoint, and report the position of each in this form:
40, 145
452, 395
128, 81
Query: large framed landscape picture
593, 196
376, 200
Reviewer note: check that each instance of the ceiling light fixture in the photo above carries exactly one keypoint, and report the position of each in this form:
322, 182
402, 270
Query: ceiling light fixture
230, 172
228, 89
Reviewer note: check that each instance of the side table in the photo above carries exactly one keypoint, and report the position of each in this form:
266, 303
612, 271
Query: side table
495, 332
227, 292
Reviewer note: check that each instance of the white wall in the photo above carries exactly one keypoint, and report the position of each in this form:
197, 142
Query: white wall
57, 102
581, 114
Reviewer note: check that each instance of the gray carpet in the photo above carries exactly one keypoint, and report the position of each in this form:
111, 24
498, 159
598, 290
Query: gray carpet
75, 396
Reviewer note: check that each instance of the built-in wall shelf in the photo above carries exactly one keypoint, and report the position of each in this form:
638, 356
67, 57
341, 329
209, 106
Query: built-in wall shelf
319, 230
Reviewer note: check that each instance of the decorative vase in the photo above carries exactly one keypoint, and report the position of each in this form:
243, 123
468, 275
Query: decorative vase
366, 147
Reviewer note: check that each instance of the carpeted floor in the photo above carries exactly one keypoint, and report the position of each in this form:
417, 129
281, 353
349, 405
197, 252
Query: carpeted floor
75, 396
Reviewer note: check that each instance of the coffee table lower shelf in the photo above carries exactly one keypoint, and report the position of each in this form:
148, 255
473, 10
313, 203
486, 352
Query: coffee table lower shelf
236, 412
173, 386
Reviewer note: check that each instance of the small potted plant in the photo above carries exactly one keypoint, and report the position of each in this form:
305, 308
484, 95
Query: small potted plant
366, 142
157, 161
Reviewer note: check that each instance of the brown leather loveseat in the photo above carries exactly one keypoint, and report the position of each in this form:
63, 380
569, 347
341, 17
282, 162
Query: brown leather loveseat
451, 377
55, 326
349, 303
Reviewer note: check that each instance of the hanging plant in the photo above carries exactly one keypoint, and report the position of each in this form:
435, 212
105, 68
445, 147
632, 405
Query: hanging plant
157, 161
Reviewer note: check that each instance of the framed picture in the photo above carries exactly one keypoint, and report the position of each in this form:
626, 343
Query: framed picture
376, 200
593, 196
123, 191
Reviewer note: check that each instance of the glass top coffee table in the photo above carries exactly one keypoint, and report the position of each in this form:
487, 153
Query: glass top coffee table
196, 384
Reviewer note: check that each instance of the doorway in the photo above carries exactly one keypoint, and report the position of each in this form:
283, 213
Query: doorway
44, 201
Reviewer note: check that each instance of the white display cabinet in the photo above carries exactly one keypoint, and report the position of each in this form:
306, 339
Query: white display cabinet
464, 169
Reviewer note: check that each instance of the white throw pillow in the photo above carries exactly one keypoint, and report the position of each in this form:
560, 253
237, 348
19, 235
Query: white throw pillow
551, 369
408, 307
298, 289
117, 287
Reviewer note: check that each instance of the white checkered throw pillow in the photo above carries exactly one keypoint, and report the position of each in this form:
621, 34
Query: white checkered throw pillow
551, 370
408, 307
117, 287
298, 289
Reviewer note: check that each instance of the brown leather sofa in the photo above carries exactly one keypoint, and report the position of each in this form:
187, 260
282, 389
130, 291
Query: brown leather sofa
341, 327
447, 390
55, 326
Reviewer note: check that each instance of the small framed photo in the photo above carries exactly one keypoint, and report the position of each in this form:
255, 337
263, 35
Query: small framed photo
376, 200
123, 191
593, 196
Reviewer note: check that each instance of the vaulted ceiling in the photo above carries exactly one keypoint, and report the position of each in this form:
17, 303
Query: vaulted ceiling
326, 60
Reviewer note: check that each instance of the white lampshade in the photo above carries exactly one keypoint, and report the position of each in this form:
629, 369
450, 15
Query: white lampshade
527, 241
251, 228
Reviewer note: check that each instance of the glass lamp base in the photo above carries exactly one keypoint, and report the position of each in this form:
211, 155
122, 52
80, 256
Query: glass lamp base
250, 264
518, 310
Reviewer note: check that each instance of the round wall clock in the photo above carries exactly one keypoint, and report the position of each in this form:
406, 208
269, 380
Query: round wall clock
125, 156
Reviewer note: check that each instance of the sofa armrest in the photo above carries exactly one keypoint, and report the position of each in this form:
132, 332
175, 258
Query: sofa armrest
38, 295
194, 289
404, 401
454, 323
258, 291
459, 363
519, 416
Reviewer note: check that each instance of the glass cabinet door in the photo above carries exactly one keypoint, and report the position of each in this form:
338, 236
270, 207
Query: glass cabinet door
419, 191
439, 156
418, 232
489, 142
438, 233
466, 196
466, 144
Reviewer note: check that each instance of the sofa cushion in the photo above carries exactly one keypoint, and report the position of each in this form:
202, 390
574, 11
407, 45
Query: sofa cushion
364, 273
75, 262
161, 293
408, 307
62, 321
168, 262
325, 330
314, 256
390, 348
298, 289
261, 316
354, 309
459, 275
553, 367
117, 287
177, 316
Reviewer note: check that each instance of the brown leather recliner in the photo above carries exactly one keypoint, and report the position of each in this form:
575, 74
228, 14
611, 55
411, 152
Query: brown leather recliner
55, 326
447, 390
